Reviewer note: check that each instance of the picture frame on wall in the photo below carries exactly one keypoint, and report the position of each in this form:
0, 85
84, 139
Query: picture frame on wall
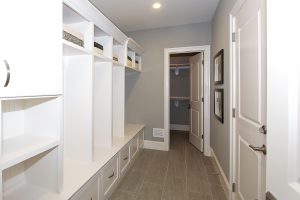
219, 104
219, 67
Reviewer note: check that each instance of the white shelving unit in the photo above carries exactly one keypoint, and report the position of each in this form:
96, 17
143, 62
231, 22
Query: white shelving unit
31, 144
70, 120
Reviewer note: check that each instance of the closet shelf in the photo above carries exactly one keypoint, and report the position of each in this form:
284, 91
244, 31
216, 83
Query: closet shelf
26, 192
180, 98
71, 49
18, 149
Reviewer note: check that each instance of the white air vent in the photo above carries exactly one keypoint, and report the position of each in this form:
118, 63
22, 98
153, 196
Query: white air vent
158, 132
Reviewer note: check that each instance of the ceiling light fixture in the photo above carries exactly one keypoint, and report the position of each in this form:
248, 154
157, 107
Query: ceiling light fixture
156, 5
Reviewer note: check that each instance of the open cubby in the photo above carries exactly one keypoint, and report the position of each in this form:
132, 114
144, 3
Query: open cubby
118, 54
79, 27
138, 62
130, 58
104, 41
29, 127
32, 178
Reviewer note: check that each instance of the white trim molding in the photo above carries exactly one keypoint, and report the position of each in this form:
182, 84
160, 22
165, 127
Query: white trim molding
167, 52
224, 180
179, 127
155, 145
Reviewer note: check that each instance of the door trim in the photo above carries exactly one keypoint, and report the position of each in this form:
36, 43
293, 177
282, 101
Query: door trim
232, 94
167, 52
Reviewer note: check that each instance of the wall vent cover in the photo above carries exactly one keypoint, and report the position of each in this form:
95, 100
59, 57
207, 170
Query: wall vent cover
158, 132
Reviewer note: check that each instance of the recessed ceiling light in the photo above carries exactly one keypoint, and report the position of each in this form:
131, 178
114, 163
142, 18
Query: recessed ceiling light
156, 5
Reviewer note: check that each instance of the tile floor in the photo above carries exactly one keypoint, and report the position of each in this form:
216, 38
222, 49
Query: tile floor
183, 173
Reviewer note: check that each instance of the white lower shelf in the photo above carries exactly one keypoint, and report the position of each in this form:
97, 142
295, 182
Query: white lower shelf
25, 191
21, 148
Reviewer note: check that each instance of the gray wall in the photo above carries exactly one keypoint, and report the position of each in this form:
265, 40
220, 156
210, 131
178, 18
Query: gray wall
220, 135
145, 92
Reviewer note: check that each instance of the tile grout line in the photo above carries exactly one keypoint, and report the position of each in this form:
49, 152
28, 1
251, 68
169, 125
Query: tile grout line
164, 185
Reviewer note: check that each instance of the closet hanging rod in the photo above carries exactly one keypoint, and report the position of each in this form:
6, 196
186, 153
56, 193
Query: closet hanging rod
180, 98
180, 64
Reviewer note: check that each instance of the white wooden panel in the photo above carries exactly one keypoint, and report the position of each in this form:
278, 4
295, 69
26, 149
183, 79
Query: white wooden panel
248, 171
250, 72
30, 45
195, 122
78, 107
118, 101
103, 102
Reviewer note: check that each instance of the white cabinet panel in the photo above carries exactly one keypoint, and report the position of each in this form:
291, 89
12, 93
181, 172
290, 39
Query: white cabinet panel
124, 159
110, 176
30, 48
134, 147
89, 191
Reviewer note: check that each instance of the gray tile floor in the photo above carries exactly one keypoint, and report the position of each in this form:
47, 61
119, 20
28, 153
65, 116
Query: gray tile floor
183, 173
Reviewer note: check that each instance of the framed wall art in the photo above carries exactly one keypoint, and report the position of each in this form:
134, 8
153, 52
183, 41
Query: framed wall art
219, 104
219, 67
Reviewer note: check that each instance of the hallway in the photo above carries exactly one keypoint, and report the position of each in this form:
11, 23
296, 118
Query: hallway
183, 173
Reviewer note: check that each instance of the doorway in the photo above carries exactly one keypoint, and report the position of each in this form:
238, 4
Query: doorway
205, 53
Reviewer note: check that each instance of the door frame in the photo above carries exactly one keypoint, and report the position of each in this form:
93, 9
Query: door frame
167, 52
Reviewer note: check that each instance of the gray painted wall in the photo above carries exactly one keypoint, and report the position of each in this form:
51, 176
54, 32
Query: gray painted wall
145, 92
220, 135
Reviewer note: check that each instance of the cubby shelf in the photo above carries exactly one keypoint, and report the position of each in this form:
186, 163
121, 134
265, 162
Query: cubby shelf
71, 49
20, 148
21, 192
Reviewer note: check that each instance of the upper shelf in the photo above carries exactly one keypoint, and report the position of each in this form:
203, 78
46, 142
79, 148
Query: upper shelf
20, 148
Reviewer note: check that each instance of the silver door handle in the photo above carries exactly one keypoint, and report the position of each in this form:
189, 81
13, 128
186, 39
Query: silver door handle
7, 73
262, 149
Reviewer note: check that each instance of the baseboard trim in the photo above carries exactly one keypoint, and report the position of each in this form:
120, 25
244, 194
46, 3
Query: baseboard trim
148, 144
224, 179
179, 127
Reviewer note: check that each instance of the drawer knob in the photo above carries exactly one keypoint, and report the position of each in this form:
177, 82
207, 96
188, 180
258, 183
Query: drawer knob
125, 158
7, 73
112, 175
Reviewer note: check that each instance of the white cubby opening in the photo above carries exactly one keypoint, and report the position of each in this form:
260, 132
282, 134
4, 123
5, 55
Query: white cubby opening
105, 40
29, 127
119, 52
131, 55
32, 178
78, 25
139, 60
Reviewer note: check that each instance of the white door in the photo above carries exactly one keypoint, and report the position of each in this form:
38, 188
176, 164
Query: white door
250, 93
196, 113
283, 139
31, 49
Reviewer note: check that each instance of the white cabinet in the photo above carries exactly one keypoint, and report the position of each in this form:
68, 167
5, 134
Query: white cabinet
134, 147
89, 191
30, 50
110, 176
124, 159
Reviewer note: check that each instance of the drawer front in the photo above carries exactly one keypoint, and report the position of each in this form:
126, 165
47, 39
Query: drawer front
141, 139
88, 192
110, 176
124, 158
134, 146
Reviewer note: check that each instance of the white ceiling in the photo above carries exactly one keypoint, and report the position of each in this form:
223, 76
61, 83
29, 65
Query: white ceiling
132, 15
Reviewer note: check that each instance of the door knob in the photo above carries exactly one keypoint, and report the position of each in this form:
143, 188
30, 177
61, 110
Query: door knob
263, 129
262, 149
